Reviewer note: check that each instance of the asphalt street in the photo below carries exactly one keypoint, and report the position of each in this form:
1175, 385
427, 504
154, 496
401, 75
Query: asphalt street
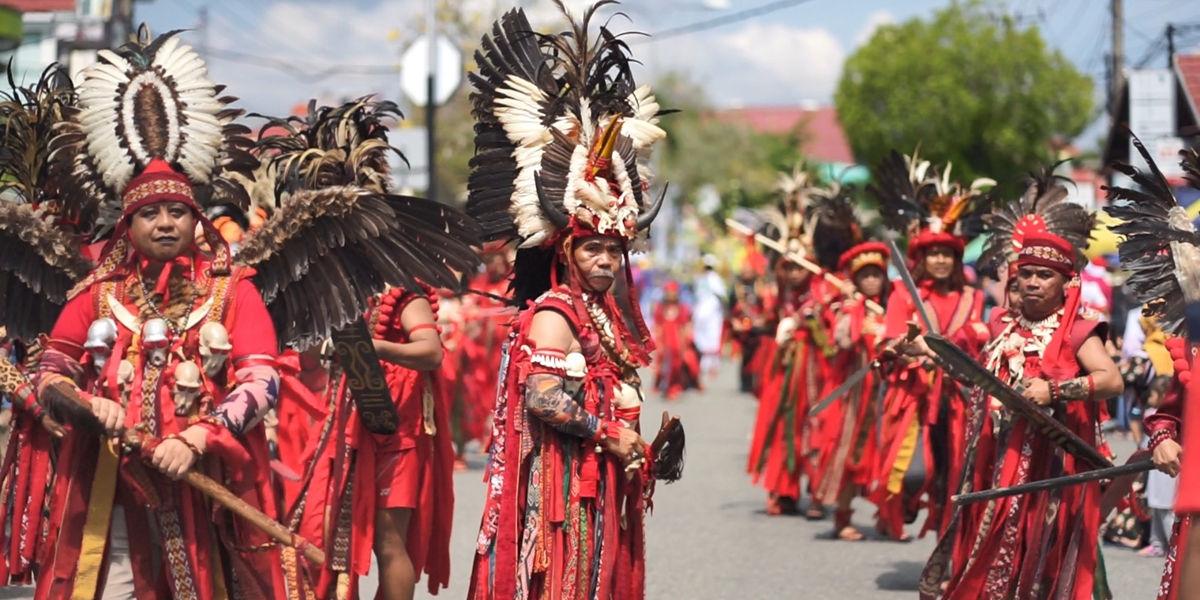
709, 537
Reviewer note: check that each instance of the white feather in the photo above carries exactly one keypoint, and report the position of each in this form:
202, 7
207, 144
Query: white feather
112, 58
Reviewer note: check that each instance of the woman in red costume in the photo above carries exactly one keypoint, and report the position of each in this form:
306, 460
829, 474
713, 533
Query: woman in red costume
747, 314
786, 441
394, 493
923, 419
487, 323
849, 456
1008, 548
569, 477
677, 364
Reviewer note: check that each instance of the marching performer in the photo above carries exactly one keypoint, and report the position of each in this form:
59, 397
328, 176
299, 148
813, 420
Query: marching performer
1056, 358
747, 313
922, 424
369, 488
162, 362
785, 441
487, 322
677, 361
562, 140
849, 455
1161, 252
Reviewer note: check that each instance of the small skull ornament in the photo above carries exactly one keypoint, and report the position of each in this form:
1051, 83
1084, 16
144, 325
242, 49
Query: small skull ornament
187, 386
124, 378
576, 371
214, 347
101, 336
155, 341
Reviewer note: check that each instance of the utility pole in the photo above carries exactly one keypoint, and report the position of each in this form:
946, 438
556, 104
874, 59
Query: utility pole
202, 26
1118, 55
1170, 45
431, 99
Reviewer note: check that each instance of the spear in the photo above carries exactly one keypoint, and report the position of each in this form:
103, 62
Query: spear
1054, 483
798, 259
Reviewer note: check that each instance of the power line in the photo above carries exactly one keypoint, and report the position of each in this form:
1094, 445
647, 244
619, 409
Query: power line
291, 69
721, 20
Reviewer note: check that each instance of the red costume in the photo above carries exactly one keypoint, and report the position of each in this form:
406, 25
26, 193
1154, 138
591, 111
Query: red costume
849, 455
923, 419
1168, 422
677, 362
565, 176
355, 472
1039, 545
488, 321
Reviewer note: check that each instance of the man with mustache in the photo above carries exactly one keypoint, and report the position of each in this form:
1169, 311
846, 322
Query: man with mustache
564, 175
1007, 547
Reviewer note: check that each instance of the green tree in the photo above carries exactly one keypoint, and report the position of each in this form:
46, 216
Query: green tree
970, 88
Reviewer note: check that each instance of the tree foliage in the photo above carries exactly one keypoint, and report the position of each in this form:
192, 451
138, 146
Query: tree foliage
968, 87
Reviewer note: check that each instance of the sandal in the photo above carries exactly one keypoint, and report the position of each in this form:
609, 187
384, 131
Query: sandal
850, 534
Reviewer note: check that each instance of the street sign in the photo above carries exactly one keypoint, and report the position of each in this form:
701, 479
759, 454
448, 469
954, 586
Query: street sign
414, 70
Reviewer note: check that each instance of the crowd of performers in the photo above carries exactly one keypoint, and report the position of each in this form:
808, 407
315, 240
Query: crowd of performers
855, 399
241, 365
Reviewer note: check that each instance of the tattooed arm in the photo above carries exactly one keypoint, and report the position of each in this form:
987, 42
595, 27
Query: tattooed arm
548, 401
546, 398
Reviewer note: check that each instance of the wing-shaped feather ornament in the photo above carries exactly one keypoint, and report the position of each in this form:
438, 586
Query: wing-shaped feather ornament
1161, 249
1043, 207
897, 183
150, 99
561, 111
337, 237
39, 257
837, 227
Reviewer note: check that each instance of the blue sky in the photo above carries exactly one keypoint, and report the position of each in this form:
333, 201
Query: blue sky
789, 56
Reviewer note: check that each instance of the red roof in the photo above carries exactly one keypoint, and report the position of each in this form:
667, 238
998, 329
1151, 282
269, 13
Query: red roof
1188, 67
27, 6
823, 137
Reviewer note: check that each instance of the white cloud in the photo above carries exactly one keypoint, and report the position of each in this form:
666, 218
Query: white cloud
875, 20
759, 63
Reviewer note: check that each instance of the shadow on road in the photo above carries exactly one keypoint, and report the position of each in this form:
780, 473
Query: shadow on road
904, 577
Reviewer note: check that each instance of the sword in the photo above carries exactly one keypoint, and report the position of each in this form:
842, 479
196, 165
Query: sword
962, 368
858, 375
1121, 485
1055, 483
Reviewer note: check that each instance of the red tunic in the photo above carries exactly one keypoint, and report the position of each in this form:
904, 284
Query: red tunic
785, 439
207, 547
678, 365
355, 473
488, 323
849, 456
923, 421
27, 473
1041, 545
560, 520
1171, 416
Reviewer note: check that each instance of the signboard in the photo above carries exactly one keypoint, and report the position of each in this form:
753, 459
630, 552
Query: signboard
414, 70
1165, 151
1151, 110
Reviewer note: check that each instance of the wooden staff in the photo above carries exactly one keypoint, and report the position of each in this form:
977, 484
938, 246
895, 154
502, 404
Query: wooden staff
135, 440
1054, 483
798, 259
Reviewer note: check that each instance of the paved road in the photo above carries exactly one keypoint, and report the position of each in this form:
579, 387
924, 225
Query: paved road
710, 538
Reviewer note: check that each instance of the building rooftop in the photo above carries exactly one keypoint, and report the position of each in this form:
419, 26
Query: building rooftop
823, 137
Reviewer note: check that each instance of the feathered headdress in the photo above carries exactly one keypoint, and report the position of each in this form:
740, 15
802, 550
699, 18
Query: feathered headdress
1161, 249
1043, 208
148, 126
563, 138
40, 257
791, 222
927, 207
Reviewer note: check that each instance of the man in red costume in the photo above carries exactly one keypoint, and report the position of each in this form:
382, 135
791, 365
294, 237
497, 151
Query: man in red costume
678, 364
1007, 547
797, 371
394, 494
849, 455
569, 474
487, 323
185, 321
747, 314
